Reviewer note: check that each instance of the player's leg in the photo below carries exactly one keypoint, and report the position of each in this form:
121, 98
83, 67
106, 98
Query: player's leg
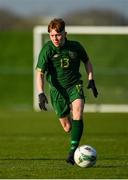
77, 127
77, 98
66, 123
77, 123
62, 109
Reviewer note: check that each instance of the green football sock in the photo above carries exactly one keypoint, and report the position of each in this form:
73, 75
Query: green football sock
76, 133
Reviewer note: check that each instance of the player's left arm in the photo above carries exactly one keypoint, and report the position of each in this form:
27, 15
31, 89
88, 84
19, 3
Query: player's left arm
91, 82
89, 69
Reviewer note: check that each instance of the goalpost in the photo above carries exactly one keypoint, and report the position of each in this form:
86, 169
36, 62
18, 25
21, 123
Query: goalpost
38, 40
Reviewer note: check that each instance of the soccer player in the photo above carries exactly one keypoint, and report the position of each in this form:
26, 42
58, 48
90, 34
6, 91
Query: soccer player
60, 59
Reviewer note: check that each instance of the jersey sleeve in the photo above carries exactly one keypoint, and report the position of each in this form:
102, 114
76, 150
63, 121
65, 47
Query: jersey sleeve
42, 61
83, 54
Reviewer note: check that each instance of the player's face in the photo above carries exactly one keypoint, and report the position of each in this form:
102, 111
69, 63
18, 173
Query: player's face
58, 39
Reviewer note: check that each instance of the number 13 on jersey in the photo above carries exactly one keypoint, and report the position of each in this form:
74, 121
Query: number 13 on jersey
64, 63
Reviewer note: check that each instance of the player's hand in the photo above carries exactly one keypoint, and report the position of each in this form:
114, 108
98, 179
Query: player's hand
91, 84
43, 101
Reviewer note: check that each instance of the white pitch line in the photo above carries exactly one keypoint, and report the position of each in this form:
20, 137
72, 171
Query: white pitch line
106, 108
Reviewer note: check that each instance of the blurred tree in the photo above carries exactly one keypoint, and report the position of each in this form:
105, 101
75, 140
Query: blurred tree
10, 20
96, 17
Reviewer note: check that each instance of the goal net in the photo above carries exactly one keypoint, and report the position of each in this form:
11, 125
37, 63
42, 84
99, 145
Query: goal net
104, 46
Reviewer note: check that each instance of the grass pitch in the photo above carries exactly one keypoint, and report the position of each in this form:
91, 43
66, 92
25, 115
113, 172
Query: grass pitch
33, 145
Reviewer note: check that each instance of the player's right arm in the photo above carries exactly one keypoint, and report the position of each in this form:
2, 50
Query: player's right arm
39, 81
40, 88
40, 70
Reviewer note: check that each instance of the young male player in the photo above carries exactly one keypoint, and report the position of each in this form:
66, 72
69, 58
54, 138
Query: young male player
60, 59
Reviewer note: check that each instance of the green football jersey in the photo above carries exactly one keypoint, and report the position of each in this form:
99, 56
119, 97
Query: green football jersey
62, 63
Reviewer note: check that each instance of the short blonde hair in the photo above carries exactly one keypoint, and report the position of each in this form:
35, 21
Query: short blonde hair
57, 24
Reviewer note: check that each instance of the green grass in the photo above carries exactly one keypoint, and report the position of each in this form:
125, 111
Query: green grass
33, 145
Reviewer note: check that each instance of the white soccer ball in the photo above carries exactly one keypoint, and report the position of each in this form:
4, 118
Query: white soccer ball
85, 156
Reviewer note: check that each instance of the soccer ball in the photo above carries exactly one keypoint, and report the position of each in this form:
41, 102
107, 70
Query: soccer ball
85, 156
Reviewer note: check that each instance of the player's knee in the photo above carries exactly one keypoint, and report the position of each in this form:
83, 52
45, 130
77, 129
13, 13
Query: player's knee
78, 106
66, 124
67, 129
77, 115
